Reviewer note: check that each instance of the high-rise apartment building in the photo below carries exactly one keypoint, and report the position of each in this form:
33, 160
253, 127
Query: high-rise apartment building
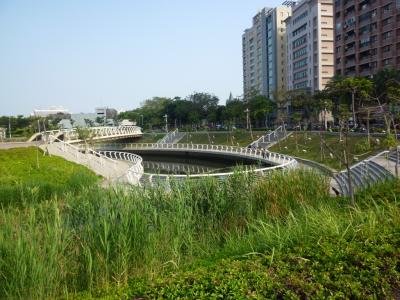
264, 52
310, 45
367, 36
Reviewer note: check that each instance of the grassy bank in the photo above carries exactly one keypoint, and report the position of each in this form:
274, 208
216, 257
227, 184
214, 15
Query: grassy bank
235, 138
241, 238
26, 175
309, 147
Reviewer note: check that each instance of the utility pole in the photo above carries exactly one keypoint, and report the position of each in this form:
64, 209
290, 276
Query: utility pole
166, 122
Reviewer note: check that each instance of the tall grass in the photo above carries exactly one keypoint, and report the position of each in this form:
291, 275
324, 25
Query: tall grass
95, 238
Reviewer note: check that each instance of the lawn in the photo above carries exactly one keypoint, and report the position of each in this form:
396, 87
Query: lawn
149, 138
23, 169
309, 147
235, 138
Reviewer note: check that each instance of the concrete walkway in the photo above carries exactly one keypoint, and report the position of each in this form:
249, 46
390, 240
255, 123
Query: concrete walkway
387, 164
12, 145
112, 170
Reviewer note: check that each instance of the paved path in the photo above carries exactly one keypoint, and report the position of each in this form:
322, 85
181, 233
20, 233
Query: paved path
387, 164
17, 145
112, 170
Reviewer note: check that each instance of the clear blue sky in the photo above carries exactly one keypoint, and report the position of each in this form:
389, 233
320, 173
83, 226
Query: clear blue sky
86, 53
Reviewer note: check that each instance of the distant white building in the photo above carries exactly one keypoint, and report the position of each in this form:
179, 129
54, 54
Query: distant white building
126, 122
3, 132
54, 110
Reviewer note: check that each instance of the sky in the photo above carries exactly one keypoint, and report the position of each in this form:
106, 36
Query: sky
82, 54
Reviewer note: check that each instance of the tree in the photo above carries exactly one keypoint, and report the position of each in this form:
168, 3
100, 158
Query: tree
282, 106
355, 86
260, 107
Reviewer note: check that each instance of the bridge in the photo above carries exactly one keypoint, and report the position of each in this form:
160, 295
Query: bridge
377, 168
95, 134
271, 138
273, 160
114, 166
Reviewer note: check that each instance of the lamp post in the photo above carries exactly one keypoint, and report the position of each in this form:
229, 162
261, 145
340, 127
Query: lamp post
247, 111
142, 119
166, 122
9, 127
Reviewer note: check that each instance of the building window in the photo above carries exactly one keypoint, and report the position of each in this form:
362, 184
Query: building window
300, 75
300, 41
387, 35
387, 62
387, 8
298, 18
387, 21
299, 52
300, 64
299, 30
386, 48
300, 85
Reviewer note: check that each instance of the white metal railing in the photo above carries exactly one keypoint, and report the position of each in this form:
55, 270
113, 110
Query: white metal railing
365, 161
97, 132
270, 137
169, 137
359, 173
135, 171
279, 161
103, 159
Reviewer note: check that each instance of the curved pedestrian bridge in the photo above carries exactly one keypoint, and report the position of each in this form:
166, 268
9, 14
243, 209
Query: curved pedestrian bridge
95, 134
266, 160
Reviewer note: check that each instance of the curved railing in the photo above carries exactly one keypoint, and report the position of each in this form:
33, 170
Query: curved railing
169, 137
363, 174
270, 138
279, 161
135, 171
97, 133
103, 159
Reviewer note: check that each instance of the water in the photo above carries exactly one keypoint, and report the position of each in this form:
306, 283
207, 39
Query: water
166, 164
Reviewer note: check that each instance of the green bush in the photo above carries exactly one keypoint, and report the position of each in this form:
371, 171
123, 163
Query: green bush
390, 141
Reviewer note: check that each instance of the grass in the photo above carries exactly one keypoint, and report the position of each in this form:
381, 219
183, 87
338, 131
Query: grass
149, 138
235, 138
309, 147
282, 236
26, 174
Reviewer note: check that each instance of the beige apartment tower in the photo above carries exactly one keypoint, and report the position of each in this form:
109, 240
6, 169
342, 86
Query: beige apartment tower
310, 45
264, 52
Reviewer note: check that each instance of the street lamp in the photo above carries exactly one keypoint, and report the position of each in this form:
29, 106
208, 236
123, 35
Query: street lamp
142, 119
9, 126
166, 122
247, 111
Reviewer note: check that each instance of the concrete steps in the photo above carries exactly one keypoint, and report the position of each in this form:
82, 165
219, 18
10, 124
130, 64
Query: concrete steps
363, 175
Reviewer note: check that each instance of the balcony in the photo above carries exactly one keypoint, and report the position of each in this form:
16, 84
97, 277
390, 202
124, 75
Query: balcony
385, 2
350, 38
364, 59
348, 4
365, 72
387, 41
386, 55
350, 63
349, 51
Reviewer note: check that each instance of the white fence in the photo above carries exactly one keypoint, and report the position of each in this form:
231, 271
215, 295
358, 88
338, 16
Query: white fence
71, 135
279, 161
270, 138
104, 163
169, 137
